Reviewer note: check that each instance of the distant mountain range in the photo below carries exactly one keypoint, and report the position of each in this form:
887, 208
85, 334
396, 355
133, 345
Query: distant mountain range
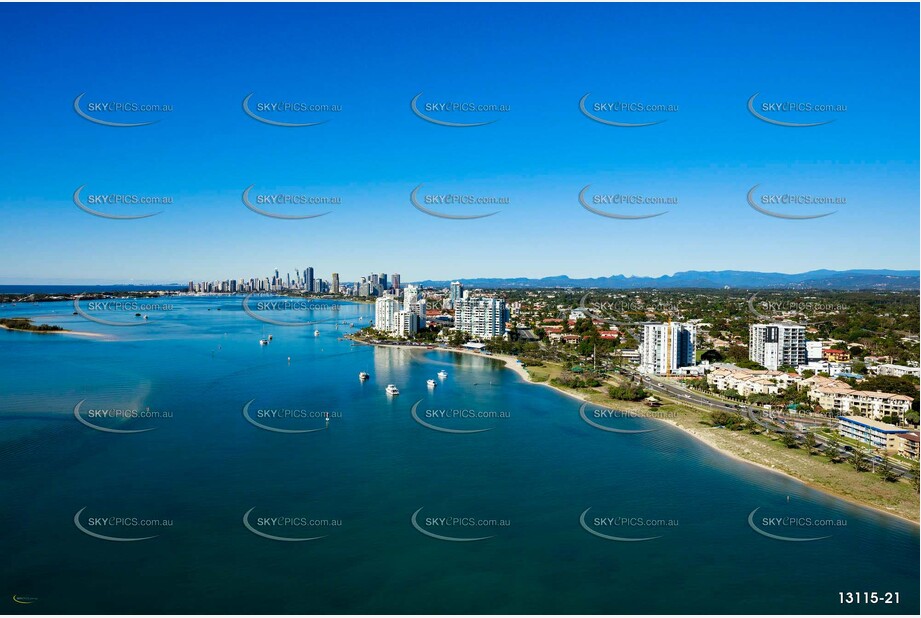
812, 280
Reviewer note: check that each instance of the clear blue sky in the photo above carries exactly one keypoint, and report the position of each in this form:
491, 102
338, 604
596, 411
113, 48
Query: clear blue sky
539, 60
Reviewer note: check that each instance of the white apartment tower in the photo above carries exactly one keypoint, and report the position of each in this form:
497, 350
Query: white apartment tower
385, 310
667, 347
775, 345
480, 317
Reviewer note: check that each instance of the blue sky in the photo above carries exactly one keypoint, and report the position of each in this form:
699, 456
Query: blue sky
537, 59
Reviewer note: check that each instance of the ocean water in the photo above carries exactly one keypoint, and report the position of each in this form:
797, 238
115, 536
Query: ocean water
354, 484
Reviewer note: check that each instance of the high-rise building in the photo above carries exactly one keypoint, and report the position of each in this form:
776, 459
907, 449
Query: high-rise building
410, 296
480, 317
778, 344
385, 312
456, 293
667, 347
334, 288
308, 279
383, 281
395, 281
407, 324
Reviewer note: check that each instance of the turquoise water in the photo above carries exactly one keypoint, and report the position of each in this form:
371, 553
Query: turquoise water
358, 481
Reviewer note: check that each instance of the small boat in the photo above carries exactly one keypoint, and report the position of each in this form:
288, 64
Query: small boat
270, 337
263, 342
316, 333
442, 374
145, 316
431, 383
363, 376
352, 324
392, 389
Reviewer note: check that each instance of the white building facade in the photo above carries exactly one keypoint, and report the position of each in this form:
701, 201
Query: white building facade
667, 347
481, 317
776, 345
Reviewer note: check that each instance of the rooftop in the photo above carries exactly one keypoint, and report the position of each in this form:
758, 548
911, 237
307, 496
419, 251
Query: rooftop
869, 422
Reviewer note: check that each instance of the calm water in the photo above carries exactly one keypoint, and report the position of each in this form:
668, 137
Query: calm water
358, 481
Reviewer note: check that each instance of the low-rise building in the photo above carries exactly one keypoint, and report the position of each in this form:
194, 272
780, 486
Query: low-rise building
908, 445
895, 370
840, 398
835, 355
868, 431
750, 381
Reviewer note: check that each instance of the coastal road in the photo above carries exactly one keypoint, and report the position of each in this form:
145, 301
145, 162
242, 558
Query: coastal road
686, 395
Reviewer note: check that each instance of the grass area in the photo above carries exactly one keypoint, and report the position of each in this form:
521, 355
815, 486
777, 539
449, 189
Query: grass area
545, 372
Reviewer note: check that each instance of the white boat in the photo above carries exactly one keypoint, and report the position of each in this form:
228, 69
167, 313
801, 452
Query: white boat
270, 337
263, 342
316, 333
363, 376
442, 374
392, 389
431, 383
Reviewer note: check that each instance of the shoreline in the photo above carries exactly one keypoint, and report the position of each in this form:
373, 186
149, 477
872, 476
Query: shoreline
511, 363
77, 333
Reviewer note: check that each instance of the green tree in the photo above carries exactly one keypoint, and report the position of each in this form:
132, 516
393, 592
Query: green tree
858, 459
810, 442
831, 449
885, 471
788, 439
